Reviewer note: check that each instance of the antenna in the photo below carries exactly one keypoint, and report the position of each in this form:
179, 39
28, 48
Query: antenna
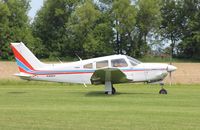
59, 60
78, 57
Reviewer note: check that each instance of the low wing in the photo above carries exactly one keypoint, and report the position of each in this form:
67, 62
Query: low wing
108, 74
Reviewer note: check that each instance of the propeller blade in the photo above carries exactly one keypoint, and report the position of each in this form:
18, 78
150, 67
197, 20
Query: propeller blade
170, 78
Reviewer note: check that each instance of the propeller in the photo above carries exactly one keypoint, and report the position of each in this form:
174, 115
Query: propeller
170, 69
170, 78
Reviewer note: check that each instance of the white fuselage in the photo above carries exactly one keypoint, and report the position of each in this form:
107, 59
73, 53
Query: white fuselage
79, 72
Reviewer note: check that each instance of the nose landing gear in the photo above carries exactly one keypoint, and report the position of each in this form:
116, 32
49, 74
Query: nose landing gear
162, 91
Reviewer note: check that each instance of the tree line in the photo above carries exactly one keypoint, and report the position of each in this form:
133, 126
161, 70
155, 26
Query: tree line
91, 28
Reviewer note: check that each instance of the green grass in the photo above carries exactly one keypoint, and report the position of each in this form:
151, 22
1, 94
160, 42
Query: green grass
42, 106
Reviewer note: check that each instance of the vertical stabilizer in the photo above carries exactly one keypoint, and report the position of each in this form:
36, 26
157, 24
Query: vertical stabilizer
25, 59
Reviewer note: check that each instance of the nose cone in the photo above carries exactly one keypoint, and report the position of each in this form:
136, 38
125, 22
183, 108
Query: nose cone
171, 68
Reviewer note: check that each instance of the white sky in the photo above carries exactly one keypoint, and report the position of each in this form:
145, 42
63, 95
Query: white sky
35, 6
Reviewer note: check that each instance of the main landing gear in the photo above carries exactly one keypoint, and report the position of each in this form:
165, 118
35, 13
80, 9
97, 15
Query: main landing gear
109, 89
112, 92
162, 91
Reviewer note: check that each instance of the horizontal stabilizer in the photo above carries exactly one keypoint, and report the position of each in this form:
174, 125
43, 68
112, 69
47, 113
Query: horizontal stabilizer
24, 76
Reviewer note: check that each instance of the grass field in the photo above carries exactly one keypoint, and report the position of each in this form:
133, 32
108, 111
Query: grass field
41, 106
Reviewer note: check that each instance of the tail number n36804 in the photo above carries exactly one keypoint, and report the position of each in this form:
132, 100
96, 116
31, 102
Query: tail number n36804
51, 75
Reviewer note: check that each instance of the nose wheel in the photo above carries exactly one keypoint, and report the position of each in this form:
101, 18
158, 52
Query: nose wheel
162, 91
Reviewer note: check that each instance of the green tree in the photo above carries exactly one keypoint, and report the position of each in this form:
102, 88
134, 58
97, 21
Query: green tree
123, 18
89, 31
99, 41
4, 34
189, 47
173, 21
148, 20
49, 26
14, 25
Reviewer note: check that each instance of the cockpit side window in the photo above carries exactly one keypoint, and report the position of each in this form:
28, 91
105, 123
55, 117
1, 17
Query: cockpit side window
133, 61
119, 63
88, 66
102, 64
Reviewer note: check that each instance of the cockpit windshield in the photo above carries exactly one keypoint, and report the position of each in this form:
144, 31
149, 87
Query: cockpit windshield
133, 61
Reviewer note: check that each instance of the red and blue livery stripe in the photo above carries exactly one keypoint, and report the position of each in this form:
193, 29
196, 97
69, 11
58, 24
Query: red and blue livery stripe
21, 60
25, 67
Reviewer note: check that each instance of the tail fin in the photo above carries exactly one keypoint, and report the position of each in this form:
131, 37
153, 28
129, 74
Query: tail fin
25, 59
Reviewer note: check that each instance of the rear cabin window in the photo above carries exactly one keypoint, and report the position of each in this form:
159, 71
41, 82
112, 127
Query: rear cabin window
88, 66
119, 63
102, 64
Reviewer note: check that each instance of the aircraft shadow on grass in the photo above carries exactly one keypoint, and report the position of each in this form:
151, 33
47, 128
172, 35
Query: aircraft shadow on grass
16, 92
100, 93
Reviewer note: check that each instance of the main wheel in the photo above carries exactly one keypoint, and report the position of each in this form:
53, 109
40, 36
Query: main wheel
113, 90
163, 91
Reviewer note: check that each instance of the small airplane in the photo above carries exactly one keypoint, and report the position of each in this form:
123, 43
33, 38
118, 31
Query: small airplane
107, 70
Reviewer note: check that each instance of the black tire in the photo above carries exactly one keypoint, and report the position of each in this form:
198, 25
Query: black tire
163, 91
108, 92
113, 90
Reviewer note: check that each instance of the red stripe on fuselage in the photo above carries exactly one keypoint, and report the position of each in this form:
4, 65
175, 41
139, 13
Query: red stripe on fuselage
64, 73
21, 58
61, 73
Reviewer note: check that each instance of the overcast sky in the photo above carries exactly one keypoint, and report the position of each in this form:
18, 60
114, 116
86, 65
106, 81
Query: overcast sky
35, 6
